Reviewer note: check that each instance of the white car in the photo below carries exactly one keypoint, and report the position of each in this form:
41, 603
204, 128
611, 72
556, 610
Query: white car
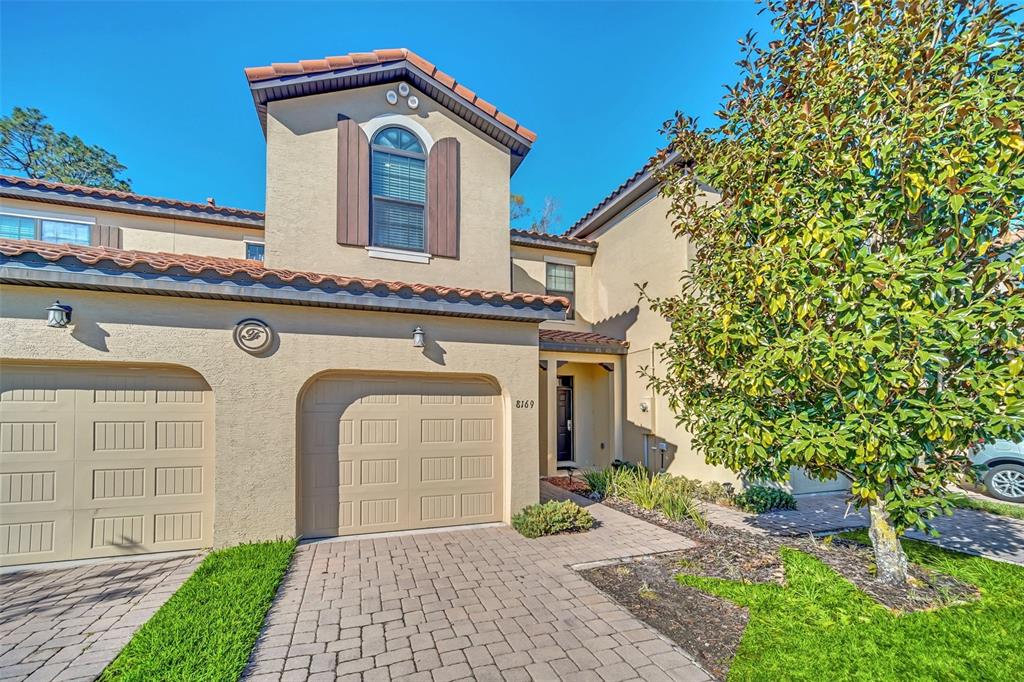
1002, 465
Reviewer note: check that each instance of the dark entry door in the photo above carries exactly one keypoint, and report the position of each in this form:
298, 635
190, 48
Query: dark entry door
565, 423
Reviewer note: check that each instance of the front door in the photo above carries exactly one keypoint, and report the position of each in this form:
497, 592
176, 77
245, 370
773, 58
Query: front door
565, 453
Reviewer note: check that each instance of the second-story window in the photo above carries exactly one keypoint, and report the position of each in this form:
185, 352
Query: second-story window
398, 183
254, 251
561, 281
45, 229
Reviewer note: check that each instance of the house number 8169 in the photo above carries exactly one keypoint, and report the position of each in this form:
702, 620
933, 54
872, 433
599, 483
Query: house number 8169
524, 404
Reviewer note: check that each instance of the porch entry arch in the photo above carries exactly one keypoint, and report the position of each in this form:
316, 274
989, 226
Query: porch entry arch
385, 452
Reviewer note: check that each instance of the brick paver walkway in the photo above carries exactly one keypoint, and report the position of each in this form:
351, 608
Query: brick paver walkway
967, 530
480, 603
70, 623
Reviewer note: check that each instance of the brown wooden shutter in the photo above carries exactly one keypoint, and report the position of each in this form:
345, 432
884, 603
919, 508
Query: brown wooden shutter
443, 198
106, 235
353, 184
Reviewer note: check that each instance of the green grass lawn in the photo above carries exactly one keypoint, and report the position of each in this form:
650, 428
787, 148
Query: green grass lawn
207, 629
991, 506
820, 627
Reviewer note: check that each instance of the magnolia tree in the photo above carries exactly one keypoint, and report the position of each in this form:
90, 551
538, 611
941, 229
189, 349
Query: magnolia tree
854, 304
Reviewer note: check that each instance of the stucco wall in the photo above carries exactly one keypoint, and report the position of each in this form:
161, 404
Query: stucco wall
148, 233
302, 169
257, 398
529, 274
636, 247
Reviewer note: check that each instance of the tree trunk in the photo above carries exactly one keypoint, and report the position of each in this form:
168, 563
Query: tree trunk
890, 560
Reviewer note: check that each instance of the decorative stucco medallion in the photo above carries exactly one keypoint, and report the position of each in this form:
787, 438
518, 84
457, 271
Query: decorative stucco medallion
253, 336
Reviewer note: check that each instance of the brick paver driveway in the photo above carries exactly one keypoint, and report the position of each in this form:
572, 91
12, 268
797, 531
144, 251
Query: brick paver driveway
480, 603
70, 623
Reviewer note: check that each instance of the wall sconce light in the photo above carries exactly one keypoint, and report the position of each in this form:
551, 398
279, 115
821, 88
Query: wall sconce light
58, 315
417, 337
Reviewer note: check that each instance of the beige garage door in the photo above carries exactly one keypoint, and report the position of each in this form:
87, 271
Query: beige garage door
103, 461
380, 455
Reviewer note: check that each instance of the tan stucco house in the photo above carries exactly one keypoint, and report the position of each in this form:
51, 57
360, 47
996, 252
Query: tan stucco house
376, 352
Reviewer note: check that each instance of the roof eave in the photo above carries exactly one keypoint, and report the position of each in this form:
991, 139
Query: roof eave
569, 347
69, 273
120, 206
302, 85
552, 244
612, 205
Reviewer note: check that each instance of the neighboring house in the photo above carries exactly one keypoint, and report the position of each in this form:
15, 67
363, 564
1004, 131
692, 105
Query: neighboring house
377, 352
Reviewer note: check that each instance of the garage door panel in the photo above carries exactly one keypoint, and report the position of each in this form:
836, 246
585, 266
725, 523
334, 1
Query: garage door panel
108, 531
120, 483
418, 453
35, 536
128, 461
35, 486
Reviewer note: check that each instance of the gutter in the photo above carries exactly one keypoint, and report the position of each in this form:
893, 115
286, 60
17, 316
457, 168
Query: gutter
582, 348
35, 271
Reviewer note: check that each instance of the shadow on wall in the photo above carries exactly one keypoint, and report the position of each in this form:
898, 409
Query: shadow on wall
523, 282
618, 325
91, 334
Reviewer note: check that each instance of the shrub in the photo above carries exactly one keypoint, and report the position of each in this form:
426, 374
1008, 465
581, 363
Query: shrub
759, 499
711, 491
551, 518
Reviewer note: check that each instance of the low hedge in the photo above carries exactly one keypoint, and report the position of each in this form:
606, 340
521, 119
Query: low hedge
551, 518
759, 499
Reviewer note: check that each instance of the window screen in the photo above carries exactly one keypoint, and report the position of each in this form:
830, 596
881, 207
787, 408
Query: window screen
254, 251
45, 229
16, 227
398, 182
65, 233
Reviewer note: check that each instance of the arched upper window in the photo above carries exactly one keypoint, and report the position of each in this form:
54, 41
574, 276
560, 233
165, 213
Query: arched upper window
398, 185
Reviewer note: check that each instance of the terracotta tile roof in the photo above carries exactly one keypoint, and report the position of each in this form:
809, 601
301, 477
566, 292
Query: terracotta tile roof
611, 196
359, 59
582, 338
208, 266
128, 197
555, 240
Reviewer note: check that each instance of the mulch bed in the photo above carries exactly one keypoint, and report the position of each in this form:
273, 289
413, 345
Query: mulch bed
710, 627
573, 485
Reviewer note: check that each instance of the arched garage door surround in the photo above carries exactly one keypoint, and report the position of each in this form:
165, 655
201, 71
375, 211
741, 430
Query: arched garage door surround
386, 452
103, 460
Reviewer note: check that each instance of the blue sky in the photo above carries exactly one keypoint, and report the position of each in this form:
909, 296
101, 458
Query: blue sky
161, 84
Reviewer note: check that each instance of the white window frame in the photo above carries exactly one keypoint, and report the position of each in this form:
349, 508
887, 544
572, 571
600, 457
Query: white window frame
40, 216
254, 242
388, 253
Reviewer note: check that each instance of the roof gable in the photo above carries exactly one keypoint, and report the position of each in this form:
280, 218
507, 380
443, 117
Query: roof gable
360, 69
